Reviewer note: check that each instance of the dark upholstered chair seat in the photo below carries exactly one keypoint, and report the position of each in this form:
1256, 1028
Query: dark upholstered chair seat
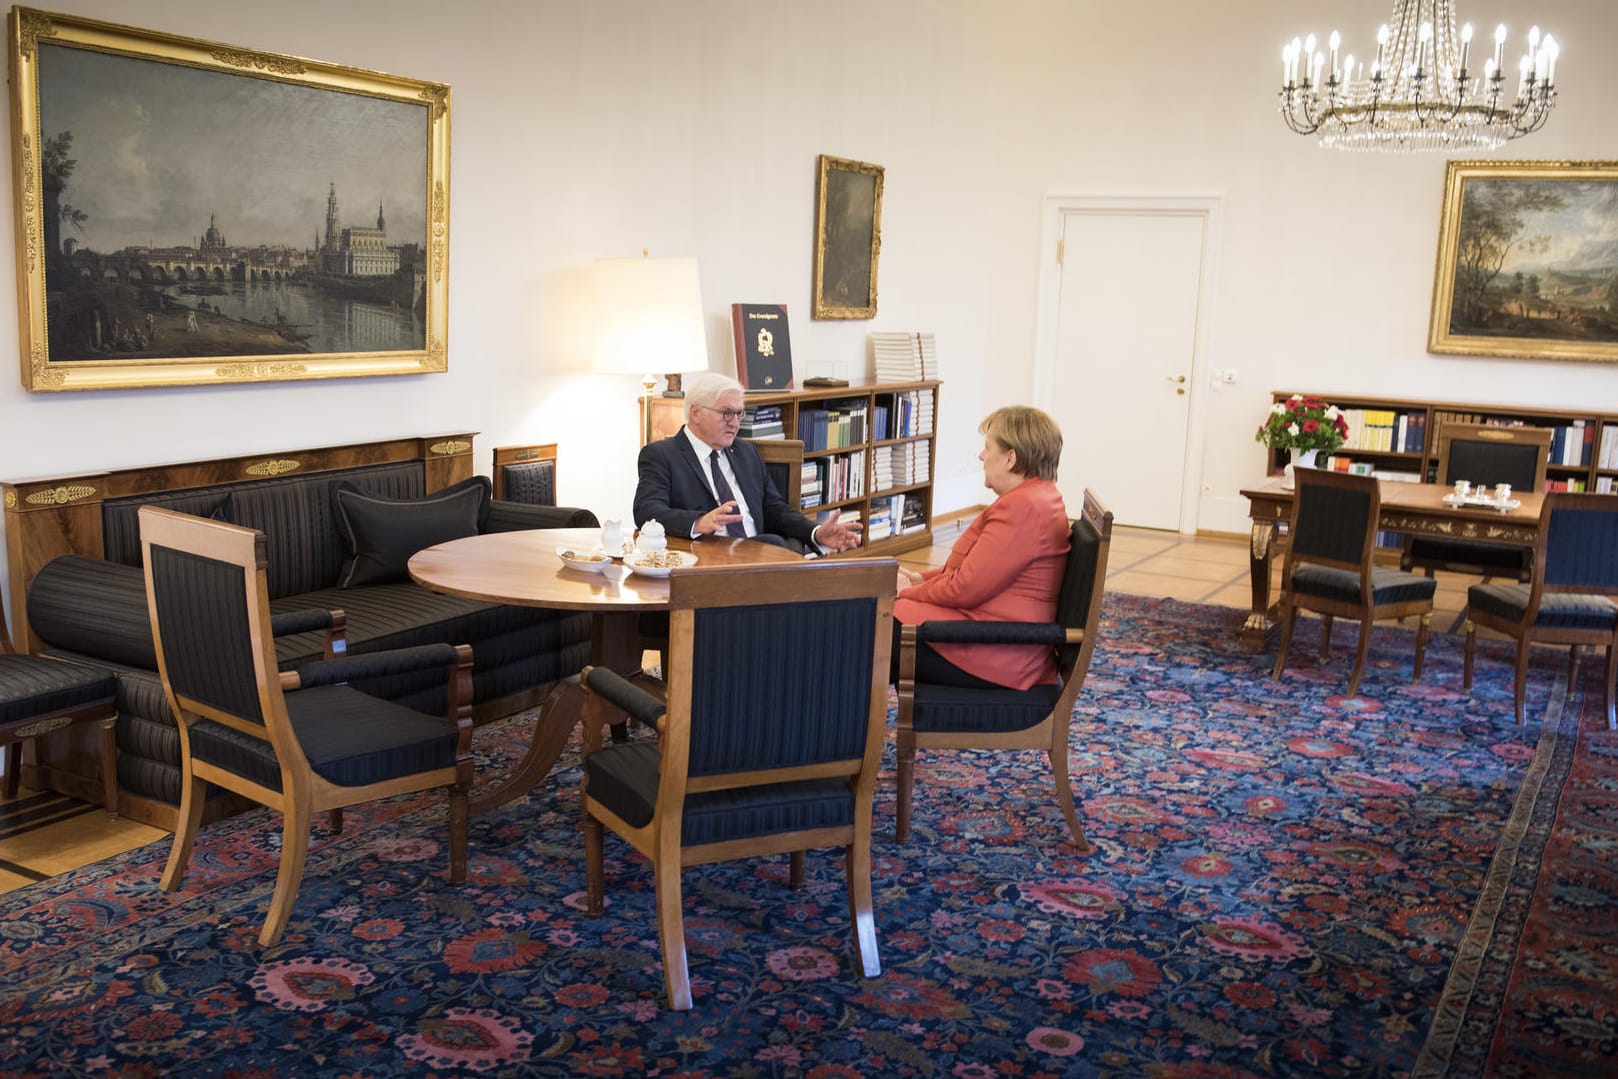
624, 778
39, 695
1387, 585
1567, 610
1491, 559
349, 737
942, 709
31, 687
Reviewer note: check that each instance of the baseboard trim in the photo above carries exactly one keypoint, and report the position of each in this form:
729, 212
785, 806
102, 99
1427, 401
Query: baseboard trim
957, 515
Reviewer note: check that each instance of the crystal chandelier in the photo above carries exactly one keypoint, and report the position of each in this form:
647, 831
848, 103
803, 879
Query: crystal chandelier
1419, 93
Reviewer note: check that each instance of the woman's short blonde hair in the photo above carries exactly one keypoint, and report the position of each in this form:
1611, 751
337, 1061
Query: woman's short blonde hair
1031, 434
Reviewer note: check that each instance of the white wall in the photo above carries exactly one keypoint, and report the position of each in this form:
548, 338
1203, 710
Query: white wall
590, 129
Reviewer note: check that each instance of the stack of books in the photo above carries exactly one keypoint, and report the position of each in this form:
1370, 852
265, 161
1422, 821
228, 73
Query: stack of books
928, 349
896, 357
809, 480
762, 421
904, 357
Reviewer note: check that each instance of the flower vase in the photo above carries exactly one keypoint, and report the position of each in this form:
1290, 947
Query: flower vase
1306, 458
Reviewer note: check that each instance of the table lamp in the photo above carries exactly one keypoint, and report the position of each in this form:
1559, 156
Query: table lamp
648, 317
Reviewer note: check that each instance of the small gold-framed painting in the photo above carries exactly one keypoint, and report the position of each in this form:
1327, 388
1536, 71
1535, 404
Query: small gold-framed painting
189, 213
848, 238
1528, 261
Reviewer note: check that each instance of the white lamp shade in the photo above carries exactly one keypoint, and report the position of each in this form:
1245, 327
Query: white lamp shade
648, 316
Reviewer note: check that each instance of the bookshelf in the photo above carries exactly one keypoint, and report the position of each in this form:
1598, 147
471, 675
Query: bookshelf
1401, 438
868, 451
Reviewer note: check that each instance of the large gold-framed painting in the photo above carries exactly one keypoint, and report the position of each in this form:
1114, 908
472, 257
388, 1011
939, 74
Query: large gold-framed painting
1528, 261
192, 213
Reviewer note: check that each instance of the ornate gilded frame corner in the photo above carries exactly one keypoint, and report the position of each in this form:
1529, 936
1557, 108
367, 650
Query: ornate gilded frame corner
848, 238
1479, 307
264, 351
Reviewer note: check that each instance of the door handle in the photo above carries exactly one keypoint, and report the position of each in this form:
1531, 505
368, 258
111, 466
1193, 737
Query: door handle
1179, 383
1173, 378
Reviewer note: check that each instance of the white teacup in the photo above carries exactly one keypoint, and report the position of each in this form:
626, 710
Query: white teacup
1502, 492
1463, 489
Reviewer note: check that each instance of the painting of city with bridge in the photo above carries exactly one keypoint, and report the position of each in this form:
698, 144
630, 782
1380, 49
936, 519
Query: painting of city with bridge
191, 213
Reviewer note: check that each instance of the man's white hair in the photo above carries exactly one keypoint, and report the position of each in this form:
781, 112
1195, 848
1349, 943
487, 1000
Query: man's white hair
707, 388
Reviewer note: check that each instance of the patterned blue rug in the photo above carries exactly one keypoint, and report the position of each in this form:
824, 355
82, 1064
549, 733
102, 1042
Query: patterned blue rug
1281, 882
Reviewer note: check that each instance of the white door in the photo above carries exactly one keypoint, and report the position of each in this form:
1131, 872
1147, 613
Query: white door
1126, 337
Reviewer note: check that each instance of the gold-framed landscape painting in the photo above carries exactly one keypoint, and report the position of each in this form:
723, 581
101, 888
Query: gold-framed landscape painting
190, 213
848, 238
1528, 261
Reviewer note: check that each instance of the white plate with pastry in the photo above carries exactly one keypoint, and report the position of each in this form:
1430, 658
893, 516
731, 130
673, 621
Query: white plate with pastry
658, 563
587, 561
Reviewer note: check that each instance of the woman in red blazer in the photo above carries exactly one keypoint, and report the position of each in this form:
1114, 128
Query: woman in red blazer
1006, 567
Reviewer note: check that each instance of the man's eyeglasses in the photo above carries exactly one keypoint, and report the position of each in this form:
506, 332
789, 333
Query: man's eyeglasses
729, 415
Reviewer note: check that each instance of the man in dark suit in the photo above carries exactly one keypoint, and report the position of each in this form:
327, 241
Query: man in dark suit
701, 481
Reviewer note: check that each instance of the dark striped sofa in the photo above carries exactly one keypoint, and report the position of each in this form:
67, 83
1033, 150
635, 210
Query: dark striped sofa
89, 606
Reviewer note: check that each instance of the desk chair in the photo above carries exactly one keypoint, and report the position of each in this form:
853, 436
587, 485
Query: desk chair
770, 738
947, 717
1329, 569
1483, 455
1570, 597
302, 742
39, 695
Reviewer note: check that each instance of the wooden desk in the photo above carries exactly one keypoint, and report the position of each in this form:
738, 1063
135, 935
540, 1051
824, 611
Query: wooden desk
1406, 507
522, 568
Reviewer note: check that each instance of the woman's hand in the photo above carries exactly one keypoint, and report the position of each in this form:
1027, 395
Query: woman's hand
907, 578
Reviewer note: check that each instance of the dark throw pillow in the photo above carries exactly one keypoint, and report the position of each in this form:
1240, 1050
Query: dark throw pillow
382, 533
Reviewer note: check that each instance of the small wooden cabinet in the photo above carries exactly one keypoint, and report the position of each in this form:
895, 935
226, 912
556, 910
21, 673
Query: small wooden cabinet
1403, 438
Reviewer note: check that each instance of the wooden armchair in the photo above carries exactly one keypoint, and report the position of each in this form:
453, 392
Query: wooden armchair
1571, 597
771, 736
525, 474
1329, 569
302, 742
949, 717
783, 460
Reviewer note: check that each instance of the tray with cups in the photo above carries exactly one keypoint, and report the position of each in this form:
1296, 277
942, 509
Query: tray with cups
1481, 497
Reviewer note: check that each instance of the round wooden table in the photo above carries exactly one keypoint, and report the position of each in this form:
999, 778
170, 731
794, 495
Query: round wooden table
523, 568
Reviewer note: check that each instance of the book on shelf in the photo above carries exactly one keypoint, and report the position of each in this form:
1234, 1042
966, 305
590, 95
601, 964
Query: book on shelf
763, 345
1608, 456
762, 421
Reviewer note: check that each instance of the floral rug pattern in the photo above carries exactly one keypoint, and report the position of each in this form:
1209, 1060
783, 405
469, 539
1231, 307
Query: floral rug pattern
1280, 883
